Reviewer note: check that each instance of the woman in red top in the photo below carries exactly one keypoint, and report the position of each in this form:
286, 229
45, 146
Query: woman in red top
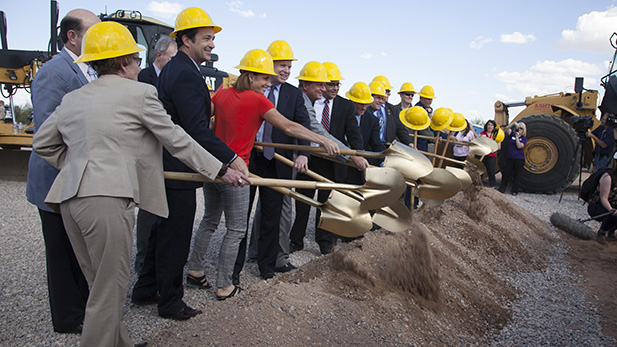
490, 159
239, 111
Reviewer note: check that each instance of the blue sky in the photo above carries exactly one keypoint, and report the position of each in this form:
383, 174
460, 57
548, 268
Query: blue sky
473, 53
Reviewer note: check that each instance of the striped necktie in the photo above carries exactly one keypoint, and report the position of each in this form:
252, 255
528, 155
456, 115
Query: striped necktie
325, 116
269, 151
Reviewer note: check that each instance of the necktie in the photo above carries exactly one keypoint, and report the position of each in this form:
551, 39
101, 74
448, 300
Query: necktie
269, 151
92, 73
382, 128
325, 116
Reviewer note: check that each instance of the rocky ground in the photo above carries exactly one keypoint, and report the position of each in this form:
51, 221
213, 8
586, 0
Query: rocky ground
482, 268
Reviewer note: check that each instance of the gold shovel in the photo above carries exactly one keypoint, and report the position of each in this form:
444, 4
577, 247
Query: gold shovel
408, 161
392, 216
340, 214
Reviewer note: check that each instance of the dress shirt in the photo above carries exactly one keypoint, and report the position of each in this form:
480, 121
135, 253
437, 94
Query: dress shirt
82, 66
260, 133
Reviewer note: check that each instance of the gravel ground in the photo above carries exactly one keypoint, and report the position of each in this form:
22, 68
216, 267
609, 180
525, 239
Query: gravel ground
551, 310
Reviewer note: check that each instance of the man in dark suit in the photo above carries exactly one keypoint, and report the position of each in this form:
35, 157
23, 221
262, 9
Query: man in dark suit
186, 98
165, 48
337, 116
390, 125
68, 289
360, 95
270, 235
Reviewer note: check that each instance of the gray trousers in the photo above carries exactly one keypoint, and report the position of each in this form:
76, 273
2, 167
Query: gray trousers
100, 229
234, 201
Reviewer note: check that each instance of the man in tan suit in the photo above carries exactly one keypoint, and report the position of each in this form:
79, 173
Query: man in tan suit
106, 140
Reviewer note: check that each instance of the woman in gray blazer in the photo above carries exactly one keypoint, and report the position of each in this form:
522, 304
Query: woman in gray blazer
105, 138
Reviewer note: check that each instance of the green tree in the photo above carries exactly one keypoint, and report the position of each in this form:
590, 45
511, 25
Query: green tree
22, 112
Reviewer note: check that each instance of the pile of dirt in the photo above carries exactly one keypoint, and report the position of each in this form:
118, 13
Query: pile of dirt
442, 282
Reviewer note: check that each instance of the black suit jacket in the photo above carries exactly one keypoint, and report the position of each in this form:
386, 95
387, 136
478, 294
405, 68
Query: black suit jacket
344, 126
395, 130
186, 99
148, 75
291, 105
369, 128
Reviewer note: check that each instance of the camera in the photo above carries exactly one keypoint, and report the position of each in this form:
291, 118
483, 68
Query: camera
581, 124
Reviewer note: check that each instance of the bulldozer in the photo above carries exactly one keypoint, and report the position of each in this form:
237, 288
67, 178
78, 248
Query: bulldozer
18, 67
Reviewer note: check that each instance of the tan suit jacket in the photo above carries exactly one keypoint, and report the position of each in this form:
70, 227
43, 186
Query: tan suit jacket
106, 137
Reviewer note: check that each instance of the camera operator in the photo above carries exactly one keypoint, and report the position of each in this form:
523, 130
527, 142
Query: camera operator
604, 138
515, 133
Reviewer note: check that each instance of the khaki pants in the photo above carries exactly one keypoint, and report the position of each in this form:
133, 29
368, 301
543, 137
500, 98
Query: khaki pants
100, 229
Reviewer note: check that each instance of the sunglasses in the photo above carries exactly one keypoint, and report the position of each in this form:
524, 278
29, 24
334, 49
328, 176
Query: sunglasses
409, 94
334, 84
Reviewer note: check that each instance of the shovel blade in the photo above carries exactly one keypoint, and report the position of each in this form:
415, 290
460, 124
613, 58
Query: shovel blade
383, 187
408, 161
462, 176
439, 185
395, 217
342, 215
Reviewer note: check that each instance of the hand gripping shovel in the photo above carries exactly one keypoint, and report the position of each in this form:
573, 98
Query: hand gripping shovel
340, 214
406, 160
394, 217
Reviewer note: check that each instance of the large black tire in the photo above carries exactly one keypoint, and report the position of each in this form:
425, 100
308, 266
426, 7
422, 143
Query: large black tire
551, 146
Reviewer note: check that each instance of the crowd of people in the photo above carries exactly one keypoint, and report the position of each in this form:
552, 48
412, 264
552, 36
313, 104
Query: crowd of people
103, 125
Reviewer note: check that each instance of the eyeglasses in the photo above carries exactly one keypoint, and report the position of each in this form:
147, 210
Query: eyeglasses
387, 90
409, 94
334, 84
138, 60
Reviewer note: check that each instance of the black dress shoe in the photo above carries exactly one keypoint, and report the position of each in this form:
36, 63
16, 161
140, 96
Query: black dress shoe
185, 313
77, 330
294, 247
235, 279
152, 300
267, 275
288, 267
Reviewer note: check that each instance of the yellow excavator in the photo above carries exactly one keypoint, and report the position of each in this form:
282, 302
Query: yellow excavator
18, 67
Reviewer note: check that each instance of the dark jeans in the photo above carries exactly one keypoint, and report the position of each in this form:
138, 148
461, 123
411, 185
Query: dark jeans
513, 170
68, 288
489, 162
608, 222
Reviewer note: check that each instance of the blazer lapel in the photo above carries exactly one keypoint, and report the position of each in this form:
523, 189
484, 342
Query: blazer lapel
80, 75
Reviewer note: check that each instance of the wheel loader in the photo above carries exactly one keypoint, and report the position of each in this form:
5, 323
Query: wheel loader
557, 147
18, 67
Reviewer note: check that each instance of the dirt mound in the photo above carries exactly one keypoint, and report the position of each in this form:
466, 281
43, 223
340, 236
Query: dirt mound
441, 282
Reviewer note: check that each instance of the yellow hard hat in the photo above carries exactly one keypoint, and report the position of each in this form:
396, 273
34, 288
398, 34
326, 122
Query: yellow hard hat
442, 117
458, 123
377, 88
313, 72
193, 17
334, 74
407, 87
427, 92
415, 118
360, 93
500, 135
280, 50
257, 60
106, 40
384, 80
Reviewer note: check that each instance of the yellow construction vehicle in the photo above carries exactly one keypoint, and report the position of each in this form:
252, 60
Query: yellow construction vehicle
552, 140
18, 68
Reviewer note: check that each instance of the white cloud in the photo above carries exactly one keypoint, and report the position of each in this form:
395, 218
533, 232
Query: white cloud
236, 7
164, 9
366, 55
479, 42
517, 37
592, 32
548, 76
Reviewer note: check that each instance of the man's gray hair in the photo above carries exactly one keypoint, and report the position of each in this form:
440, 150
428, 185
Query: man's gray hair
163, 43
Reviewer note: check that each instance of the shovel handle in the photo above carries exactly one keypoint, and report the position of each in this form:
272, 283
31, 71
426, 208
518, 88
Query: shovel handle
264, 182
320, 150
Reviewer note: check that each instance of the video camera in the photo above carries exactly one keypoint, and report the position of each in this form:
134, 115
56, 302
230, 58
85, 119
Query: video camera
581, 125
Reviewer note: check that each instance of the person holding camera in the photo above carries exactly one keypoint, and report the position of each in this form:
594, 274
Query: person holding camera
604, 138
516, 132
